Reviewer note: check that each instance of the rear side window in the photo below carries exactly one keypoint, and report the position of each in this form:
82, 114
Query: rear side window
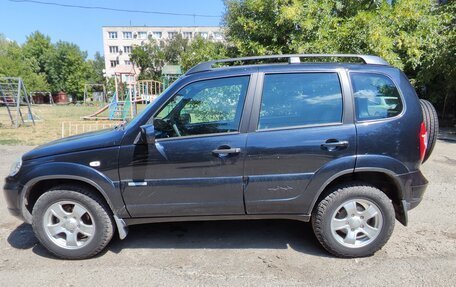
300, 99
376, 96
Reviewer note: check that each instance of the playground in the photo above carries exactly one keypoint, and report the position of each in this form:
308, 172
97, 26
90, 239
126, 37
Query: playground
37, 117
51, 127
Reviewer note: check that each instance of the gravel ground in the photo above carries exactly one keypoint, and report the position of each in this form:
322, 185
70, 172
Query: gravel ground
260, 253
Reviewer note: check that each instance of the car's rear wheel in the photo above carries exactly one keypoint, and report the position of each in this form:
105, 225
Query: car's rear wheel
72, 223
355, 220
431, 121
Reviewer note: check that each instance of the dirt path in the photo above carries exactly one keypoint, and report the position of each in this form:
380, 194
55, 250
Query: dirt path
260, 253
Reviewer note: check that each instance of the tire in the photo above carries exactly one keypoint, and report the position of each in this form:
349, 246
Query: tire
335, 228
431, 122
72, 223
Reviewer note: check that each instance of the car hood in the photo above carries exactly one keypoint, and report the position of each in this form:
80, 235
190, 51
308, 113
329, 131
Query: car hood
82, 142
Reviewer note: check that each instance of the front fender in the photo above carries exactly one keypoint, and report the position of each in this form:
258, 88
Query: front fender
109, 189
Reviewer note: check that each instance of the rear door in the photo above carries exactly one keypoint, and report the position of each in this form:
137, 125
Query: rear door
302, 126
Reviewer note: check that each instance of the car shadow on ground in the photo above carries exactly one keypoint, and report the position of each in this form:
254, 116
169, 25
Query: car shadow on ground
244, 234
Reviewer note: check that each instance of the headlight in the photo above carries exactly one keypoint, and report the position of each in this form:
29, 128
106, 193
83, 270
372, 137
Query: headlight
15, 167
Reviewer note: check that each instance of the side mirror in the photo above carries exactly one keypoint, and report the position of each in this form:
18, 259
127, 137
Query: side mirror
148, 134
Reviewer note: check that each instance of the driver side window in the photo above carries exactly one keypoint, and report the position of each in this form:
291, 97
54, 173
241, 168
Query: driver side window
204, 107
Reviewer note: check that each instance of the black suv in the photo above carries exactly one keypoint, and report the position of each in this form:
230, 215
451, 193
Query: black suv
339, 144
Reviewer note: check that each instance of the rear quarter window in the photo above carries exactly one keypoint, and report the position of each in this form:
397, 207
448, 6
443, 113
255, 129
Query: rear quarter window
376, 96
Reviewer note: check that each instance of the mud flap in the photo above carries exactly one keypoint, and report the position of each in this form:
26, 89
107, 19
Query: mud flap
401, 212
122, 227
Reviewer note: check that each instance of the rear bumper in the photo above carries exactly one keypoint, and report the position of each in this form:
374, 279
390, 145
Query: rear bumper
416, 195
415, 185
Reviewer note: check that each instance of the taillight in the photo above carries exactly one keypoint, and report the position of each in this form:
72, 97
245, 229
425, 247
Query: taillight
423, 140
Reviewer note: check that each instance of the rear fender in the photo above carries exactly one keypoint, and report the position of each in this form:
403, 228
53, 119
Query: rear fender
365, 163
325, 175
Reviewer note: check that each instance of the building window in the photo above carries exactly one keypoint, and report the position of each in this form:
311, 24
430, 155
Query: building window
114, 63
203, 35
187, 35
113, 49
127, 62
142, 35
218, 36
127, 35
127, 49
172, 35
112, 35
156, 35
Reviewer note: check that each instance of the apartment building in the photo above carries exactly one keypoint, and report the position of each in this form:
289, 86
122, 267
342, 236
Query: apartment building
118, 41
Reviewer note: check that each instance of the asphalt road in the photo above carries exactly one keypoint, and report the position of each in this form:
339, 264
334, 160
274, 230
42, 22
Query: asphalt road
247, 253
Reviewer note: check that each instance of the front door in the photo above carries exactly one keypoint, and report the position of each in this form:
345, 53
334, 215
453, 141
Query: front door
300, 130
195, 166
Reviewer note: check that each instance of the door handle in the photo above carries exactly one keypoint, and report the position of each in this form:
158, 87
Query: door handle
221, 152
332, 145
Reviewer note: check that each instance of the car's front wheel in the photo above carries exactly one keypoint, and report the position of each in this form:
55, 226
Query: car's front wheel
355, 220
72, 223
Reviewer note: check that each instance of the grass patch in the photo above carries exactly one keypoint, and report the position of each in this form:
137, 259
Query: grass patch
9, 141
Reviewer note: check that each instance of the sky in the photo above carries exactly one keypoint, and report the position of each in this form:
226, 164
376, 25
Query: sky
83, 26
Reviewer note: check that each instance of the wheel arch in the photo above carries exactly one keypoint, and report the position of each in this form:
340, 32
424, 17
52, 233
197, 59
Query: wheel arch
38, 186
383, 179
41, 179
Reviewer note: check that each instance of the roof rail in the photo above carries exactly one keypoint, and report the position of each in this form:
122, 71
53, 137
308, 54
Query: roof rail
292, 59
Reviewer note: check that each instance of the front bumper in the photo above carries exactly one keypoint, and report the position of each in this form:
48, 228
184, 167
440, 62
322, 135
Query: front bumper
11, 192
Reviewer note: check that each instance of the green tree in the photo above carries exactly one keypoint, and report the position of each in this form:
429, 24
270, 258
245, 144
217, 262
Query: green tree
67, 69
409, 34
150, 58
200, 50
96, 67
438, 71
38, 47
45, 66
13, 63
174, 48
